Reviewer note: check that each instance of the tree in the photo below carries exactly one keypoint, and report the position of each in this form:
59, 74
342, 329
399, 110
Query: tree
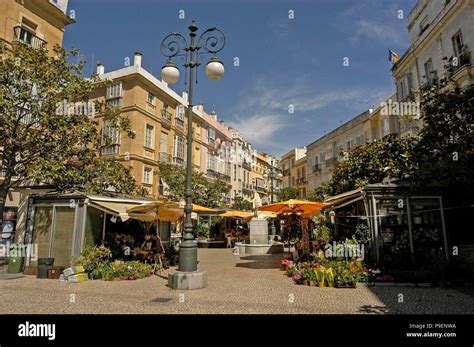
288, 193
317, 194
41, 141
241, 204
206, 192
444, 154
389, 157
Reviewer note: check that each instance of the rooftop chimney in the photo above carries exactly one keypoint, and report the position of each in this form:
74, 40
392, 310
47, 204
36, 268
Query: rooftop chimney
137, 60
213, 115
100, 69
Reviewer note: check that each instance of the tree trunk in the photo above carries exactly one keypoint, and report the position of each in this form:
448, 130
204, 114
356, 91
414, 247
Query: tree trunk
3, 199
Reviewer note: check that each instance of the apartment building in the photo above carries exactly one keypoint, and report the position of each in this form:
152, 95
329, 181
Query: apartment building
323, 154
293, 165
215, 149
159, 119
262, 164
441, 36
241, 166
39, 24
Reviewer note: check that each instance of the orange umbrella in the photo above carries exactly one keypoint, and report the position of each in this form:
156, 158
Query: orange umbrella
163, 210
236, 214
293, 206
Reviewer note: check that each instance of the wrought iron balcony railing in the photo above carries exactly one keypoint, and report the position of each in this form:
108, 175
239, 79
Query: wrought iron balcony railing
316, 168
456, 63
331, 162
166, 117
24, 36
164, 157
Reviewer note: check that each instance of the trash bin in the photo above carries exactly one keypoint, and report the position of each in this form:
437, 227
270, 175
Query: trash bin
43, 265
15, 264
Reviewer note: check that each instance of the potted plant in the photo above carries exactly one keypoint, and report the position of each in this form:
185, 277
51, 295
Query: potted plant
329, 275
345, 278
320, 275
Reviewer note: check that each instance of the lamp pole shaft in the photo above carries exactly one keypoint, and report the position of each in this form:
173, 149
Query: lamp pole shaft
188, 248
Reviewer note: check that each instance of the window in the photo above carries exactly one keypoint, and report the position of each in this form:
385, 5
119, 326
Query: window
348, 144
385, 127
211, 135
211, 162
180, 116
179, 147
151, 98
164, 142
147, 175
110, 139
431, 75
409, 82
424, 25
114, 95
334, 149
458, 46
235, 172
149, 136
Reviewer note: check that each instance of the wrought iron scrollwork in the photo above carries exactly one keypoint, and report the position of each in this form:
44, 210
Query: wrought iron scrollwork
212, 40
173, 44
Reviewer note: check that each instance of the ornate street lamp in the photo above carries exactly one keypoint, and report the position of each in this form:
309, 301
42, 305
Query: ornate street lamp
175, 45
272, 173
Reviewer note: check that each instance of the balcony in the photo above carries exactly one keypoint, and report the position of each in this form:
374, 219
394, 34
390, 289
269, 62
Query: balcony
179, 123
301, 180
110, 149
247, 166
164, 157
166, 117
316, 168
178, 161
217, 175
260, 189
464, 59
24, 36
286, 172
247, 187
331, 162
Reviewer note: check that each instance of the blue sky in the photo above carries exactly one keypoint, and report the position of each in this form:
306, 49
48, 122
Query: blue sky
283, 61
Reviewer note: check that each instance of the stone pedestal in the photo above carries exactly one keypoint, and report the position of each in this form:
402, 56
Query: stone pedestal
258, 231
187, 280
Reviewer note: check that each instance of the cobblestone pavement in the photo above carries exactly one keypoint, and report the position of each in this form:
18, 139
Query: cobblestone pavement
237, 284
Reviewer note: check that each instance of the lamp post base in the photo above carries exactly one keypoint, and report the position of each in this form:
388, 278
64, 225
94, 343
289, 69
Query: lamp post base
187, 280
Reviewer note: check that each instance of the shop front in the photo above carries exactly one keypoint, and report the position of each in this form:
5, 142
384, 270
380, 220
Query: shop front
407, 228
62, 225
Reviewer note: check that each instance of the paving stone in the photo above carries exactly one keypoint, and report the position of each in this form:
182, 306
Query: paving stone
236, 284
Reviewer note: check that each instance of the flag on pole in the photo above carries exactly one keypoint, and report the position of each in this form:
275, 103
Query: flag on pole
392, 56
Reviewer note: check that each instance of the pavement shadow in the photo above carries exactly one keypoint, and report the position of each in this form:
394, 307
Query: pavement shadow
269, 261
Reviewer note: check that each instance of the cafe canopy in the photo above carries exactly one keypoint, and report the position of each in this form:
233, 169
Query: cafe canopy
293, 206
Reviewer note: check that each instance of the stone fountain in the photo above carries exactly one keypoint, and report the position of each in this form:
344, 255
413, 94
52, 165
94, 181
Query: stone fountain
259, 242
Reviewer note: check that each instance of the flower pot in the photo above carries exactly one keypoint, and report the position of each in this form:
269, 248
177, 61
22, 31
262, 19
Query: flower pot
321, 284
306, 282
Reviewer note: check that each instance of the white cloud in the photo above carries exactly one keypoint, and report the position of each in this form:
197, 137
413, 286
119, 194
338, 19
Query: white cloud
262, 111
378, 29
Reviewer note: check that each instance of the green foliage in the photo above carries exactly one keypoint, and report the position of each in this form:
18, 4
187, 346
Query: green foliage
316, 195
92, 259
321, 231
43, 141
203, 229
126, 270
372, 163
205, 192
288, 193
242, 204
96, 261
362, 233
444, 154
